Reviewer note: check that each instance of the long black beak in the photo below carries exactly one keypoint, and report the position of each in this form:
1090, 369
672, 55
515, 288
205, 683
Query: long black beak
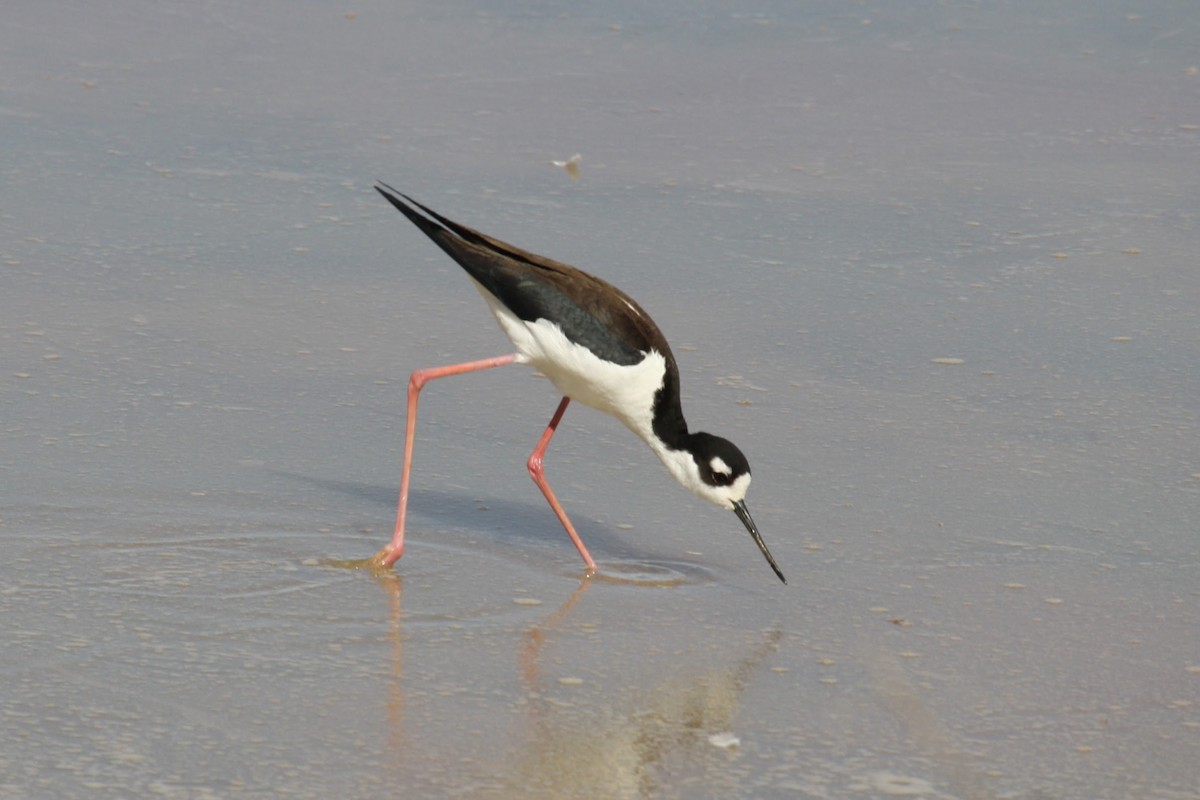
743, 514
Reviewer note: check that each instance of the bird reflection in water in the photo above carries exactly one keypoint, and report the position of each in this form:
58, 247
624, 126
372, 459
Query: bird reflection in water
595, 747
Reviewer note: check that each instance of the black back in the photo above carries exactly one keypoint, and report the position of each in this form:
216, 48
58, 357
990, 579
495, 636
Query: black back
590, 311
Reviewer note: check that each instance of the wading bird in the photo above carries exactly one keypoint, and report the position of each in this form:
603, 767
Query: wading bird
597, 346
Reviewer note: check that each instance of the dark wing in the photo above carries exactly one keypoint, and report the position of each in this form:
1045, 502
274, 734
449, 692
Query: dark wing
590, 311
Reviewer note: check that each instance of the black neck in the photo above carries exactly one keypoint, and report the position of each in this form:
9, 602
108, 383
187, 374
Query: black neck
669, 424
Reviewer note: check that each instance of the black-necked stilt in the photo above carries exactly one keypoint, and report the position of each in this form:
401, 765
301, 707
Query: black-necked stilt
597, 346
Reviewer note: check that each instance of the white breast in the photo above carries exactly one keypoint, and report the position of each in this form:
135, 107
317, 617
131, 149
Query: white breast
625, 392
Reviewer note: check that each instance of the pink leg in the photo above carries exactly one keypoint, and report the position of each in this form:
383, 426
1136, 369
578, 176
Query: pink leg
539, 477
391, 554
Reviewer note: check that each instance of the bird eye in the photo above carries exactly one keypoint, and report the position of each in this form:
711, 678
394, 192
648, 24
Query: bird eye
719, 473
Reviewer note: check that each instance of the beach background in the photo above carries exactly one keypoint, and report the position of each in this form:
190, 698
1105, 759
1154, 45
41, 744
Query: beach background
931, 265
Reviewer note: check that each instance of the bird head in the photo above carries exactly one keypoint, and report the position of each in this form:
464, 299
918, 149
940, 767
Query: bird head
719, 473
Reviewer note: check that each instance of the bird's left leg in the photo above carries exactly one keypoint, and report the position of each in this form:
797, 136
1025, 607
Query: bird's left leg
539, 477
416, 382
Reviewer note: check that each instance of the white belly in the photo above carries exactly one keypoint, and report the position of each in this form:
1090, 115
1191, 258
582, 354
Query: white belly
625, 392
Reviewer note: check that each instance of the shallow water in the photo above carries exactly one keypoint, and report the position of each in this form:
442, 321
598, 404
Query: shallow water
931, 266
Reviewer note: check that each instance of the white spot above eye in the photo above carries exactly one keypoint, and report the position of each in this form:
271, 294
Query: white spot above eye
720, 466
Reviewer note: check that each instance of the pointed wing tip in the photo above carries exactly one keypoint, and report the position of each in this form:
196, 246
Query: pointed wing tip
435, 226
390, 193
402, 202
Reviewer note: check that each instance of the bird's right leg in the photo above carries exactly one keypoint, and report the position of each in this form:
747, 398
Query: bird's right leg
539, 477
392, 552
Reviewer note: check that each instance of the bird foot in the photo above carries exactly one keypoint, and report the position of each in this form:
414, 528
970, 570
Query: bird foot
384, 558
379, 563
